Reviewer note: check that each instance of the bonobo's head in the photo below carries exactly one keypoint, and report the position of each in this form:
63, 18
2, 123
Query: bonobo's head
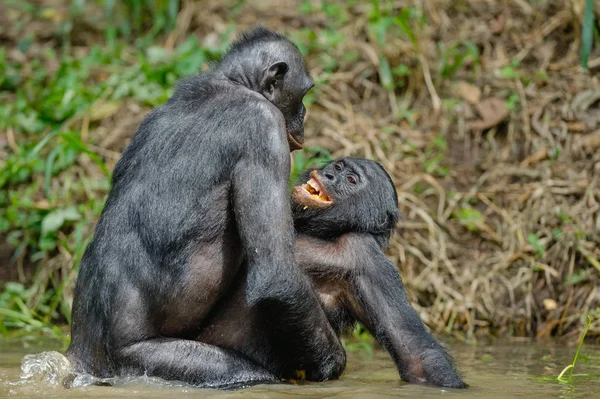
268, 63
346, 195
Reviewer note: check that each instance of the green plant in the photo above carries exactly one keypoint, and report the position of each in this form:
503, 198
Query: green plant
455, 56
133, 16
434, 157
510, 71
308, 157
587, 32
469, 217
18, 319
359, 340
512, 102
390, 22
48, 200
561, 377
539, 246
309, 42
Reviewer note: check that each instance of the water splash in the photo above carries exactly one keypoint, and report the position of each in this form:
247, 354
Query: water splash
54, 369
48, 367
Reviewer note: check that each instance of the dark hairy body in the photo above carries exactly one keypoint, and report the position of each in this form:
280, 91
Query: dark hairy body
344, 216
198, 201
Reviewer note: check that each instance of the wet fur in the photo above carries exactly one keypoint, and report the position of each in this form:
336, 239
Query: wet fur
341, 249
200, 198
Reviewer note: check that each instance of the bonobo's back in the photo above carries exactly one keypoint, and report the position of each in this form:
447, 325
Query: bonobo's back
187, 197
170, 192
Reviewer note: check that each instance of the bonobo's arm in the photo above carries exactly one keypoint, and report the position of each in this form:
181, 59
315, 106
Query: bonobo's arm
274, 281
374, 292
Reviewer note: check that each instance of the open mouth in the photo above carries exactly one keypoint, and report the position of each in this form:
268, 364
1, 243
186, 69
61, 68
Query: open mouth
312, 193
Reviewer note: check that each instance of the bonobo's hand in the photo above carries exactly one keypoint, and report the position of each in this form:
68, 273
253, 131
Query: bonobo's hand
330, 369
327, 363
437, 369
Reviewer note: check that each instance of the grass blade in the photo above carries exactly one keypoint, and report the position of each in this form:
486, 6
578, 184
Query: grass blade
571, 366
587, 32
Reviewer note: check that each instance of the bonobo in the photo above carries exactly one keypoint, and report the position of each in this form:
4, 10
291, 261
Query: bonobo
200, 199
344, 214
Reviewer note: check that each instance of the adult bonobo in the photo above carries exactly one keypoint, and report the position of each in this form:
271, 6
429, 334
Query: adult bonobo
344, 214
202, 190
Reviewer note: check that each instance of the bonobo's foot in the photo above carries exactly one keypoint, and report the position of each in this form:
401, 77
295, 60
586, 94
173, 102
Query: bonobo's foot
438, 369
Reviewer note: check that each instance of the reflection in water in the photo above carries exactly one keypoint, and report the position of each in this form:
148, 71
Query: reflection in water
497, 371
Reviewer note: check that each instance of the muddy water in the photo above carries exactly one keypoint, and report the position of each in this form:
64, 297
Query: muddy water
497, 371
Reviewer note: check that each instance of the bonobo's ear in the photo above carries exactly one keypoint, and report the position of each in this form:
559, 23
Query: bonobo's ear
272, 81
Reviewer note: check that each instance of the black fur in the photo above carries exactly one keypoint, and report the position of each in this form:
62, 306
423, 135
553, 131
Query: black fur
199, 200
340, 248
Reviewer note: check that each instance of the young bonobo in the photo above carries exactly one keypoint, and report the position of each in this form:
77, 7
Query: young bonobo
200, 200
344, 214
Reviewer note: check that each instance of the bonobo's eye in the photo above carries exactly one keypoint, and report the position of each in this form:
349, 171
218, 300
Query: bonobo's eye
351, 179
338, 166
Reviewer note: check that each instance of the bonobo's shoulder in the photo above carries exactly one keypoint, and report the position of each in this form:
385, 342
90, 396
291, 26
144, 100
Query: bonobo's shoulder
251, 104
199, 88
213, 89
192, 88
267, 111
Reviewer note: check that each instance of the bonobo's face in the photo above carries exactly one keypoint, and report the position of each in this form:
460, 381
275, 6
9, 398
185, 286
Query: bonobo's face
271, 65
347, 192
336, 181
285, 84
295, 87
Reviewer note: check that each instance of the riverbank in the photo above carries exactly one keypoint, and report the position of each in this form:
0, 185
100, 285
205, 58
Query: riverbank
479, 110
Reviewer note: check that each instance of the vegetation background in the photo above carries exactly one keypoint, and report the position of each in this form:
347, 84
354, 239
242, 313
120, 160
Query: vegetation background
486, 113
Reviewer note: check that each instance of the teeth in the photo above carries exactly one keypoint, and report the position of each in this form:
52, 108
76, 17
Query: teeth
314, 185
314, 189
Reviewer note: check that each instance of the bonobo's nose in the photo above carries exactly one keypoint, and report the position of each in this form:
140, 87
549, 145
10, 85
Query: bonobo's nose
329, 176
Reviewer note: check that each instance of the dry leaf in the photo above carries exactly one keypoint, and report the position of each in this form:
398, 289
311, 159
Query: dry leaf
550, 304
590, 142
492, 111
577, 126
536, 157
467, 92
497, 24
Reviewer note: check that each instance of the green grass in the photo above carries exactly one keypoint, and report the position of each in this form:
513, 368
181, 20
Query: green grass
587, 32
53, 182
53, 178
563, 377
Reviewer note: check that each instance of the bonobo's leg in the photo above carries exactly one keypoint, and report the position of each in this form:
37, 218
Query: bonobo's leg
274, 284
191, 362
261, 333
371, 289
